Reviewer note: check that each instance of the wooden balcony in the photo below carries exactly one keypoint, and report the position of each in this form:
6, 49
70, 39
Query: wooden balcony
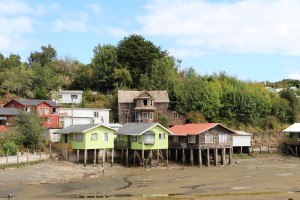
293, 141
177, 145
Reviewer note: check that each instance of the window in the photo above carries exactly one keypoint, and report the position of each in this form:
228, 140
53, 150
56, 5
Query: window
40, 110
3, 120
71, 137
192, 139
149, 139
27, 109
151, 115
175, 138
140, 139
209, 138
133, 138
151, 103
79, 137
49, 120
145, 102
96, 114
175, 115
102, 119
94, 137
223, 138
73, 96
121, 138
158, 114
54, 110
144, 115
105, 137
161, 136
46, 111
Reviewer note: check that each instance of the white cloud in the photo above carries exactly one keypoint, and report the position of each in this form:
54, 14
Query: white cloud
95, 8
73, 25
245, 26
295, 76
117, 32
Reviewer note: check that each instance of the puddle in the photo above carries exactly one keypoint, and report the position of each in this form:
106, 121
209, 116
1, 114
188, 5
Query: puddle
240, 188
285, 174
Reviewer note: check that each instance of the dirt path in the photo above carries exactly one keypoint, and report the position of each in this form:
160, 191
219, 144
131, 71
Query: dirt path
273, 177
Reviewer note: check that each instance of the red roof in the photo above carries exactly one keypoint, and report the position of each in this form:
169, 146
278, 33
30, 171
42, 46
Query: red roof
192, 129
3, 129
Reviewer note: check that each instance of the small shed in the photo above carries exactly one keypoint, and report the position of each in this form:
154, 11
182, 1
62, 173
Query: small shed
293, 140
241, 142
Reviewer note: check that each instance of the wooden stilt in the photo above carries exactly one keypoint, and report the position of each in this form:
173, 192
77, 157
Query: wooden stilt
103, 157
167, 151
230, 156
112, 157
183, 156
150, 159
50, 150
192, 156
207, 157
77, 155
176, 155
66, 154
143, 158
127, 157
99, 156
85, 157
134, 155
223, 156
200, 158
95, 155
216, 156
157, 157
122, 153
241, 149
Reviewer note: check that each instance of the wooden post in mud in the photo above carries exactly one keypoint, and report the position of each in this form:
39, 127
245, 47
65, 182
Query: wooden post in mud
27, 155
230, 156
103, 157
127, 157
143, 157
112, 157
85, 157
216, 156
223, 156
192, 156
18, 157
207, 157
122, 152
167, 151
77, 155
157, 157
183, 156
150, 159
50, 147
200, 158
95, 154
134, 155
176, 155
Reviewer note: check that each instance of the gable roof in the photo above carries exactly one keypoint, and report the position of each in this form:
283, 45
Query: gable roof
80, 128
35, 102
127, 96
9, 111
138, 128
294, 128
242, 133
194, 129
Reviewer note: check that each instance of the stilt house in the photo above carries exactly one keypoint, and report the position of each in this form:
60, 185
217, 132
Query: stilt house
143, 141
201, 141
88, 137
293, 140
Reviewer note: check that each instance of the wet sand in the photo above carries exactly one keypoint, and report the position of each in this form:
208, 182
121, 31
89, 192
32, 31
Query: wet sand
271, 177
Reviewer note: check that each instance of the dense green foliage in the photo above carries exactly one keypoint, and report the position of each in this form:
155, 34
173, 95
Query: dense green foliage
136, 63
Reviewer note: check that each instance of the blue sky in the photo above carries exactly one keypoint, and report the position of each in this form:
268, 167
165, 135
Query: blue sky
254, 40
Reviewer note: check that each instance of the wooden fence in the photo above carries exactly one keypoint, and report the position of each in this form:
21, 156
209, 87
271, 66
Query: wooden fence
267, 141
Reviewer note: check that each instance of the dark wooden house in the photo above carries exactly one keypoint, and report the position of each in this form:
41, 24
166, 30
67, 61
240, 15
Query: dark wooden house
201, 141
146, 107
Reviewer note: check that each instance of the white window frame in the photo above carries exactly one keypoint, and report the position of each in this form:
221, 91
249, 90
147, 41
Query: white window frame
46, 111
191, 138
149, 139
175, 115
74, 96
134, 138
96, 114
49, 120
71, 137
94, 136
151, 115
175, 138
105, 136
223, 138
41, 110
121, 138
140, 139
209, 138
161, 136
145, 115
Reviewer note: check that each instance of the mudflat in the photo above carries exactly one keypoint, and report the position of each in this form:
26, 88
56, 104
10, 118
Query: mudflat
270, 176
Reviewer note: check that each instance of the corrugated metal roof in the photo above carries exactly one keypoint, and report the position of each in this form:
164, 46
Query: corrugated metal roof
293, 128
137, 128
127, 96
194, 129
9, 111
79, 128
67, 92
242, 133
35, 102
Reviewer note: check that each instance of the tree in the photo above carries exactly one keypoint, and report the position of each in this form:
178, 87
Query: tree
289, 95
195, 117
44, 57
103, 65
137, 55
29, 125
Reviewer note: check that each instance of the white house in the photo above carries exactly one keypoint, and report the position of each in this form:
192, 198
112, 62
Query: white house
241, 140
67, 96
74, 116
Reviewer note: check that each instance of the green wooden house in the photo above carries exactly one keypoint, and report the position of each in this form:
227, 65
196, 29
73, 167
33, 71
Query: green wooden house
88, 137
143, 140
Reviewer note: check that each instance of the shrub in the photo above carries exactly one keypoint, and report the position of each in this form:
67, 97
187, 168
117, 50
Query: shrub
10, 148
